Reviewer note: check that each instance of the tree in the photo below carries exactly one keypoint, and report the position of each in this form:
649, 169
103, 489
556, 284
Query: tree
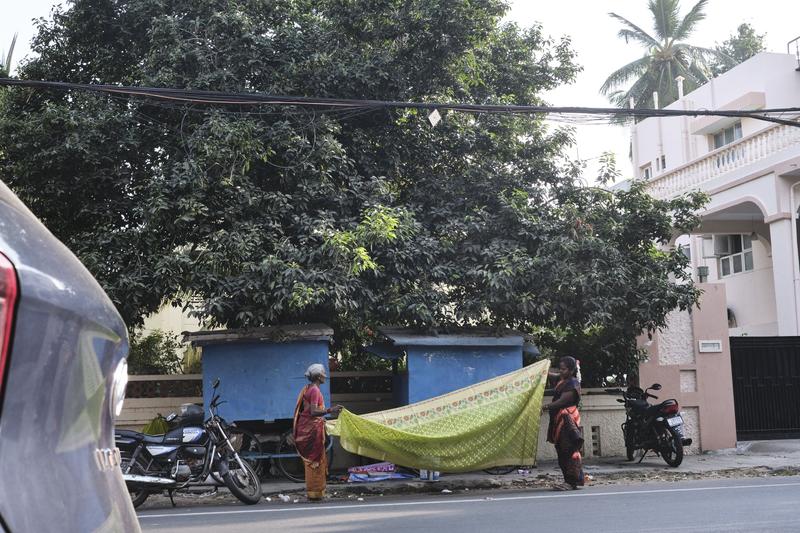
666, 57
356, 218
6, 57
739, 47
154, 353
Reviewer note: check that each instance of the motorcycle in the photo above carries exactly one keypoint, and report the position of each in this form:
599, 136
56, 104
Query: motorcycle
656, 427
187, 454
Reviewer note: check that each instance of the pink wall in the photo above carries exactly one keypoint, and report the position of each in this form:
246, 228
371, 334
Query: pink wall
714, 395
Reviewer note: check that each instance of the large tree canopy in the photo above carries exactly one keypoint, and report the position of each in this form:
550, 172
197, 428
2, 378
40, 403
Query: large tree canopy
272, 215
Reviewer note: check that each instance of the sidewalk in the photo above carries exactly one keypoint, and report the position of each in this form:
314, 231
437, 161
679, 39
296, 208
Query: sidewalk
749, 459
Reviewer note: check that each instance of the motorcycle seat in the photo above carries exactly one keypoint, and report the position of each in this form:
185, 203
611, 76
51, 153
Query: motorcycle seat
136, 435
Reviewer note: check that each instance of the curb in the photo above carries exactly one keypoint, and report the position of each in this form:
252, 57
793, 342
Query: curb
344, 491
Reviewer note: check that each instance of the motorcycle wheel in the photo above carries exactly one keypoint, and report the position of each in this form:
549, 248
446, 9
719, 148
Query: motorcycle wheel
138, 496
672, 453
244, 484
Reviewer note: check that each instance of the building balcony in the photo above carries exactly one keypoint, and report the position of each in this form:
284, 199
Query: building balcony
754, 154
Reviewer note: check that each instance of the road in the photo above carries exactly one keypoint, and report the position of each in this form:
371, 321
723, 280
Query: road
760, 504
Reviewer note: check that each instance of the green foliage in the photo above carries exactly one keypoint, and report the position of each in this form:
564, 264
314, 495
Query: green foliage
737, 48
666, 57
192, 362
154, 353
279, 215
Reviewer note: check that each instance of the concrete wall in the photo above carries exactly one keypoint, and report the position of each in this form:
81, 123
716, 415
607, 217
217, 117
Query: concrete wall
170, 319
601, 418
138, 412
702, 383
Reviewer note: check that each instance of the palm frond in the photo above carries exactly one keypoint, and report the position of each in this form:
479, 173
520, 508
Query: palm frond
7, 64
700, 58
622, 75
666, 15
692, 18
700, 74
641, 92
646, 37
646, 40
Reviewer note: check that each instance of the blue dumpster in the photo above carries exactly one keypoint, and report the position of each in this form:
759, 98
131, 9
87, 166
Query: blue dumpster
438, 364
261, 371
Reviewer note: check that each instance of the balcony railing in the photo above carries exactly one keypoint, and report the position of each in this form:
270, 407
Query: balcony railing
734, 156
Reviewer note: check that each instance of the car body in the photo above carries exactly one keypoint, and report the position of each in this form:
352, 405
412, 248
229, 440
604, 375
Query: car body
63, 373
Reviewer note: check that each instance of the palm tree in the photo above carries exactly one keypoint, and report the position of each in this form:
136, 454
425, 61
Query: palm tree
5, 64
666, 57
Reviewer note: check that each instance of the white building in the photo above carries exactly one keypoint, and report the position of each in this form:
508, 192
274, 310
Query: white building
748, 238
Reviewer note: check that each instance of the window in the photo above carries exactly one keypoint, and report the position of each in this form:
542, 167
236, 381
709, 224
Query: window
728, 135
647, 172
738, 257
663, 162
725, 137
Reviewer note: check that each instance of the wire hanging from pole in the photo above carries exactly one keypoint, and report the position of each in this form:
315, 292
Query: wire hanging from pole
257, 99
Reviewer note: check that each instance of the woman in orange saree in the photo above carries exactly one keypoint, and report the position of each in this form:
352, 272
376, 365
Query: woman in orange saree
565, 423
309, 432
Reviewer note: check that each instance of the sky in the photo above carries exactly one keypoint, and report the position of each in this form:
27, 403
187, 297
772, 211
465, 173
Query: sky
593, 34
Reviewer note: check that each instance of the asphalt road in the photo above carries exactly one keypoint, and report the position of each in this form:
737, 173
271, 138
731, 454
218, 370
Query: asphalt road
762, 504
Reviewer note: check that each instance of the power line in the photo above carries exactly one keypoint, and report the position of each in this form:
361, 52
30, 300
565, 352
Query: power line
255, 99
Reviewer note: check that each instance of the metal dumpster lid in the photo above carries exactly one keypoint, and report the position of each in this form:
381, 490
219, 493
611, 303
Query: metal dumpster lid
454, 337
274, 334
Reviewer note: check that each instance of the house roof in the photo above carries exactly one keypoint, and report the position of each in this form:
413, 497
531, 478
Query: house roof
460, 337
275, 334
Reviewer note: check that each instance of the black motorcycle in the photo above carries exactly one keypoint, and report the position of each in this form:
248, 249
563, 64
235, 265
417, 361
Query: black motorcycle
187, 454
656, 427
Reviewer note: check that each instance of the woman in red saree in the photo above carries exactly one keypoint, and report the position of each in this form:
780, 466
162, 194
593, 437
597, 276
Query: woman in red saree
309, 432
564, 430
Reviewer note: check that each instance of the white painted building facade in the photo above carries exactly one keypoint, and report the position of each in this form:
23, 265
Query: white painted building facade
751, 170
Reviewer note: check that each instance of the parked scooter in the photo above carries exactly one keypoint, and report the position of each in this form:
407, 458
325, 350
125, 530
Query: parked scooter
649, 427
186, 454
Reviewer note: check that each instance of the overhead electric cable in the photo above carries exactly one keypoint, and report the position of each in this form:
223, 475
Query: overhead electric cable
228, 98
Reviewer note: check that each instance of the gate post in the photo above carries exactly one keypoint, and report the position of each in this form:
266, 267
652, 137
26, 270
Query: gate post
691, 359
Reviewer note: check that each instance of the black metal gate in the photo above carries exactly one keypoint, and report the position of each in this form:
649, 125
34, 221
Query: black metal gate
766, 387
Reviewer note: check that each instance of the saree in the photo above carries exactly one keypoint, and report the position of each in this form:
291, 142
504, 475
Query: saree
309, 439
565, 433
492, 423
